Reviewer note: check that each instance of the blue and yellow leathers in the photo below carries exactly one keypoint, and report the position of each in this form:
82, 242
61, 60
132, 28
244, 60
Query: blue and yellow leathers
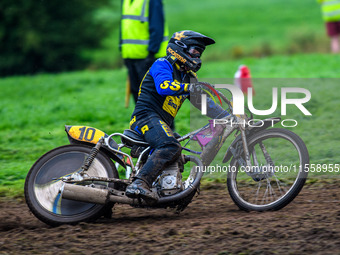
163, 90
161, 94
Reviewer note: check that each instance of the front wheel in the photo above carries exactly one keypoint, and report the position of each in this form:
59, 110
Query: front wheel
279, 170
43, 184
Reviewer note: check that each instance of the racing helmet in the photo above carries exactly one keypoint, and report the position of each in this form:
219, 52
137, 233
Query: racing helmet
187, 47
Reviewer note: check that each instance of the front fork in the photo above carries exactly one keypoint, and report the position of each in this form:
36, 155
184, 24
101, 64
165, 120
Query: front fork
255, 171
245, 146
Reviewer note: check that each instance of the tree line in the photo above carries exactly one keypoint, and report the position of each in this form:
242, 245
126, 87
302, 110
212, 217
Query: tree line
48, 35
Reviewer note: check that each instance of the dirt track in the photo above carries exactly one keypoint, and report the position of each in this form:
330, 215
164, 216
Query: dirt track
212, 224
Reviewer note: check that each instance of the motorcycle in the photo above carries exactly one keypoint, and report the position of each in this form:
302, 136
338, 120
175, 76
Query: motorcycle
80, 182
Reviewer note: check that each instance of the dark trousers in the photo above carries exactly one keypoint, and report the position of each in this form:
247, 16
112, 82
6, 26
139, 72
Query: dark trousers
166, 148
137, 68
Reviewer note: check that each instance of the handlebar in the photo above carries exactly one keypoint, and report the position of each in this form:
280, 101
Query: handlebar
229, 103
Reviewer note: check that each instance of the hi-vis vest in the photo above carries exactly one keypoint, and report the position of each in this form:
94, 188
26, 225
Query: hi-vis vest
135, 30
330, 10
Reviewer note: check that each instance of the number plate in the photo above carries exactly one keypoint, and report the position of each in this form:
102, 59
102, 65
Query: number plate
85, 134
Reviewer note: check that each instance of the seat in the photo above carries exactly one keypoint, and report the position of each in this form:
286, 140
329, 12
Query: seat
137, 138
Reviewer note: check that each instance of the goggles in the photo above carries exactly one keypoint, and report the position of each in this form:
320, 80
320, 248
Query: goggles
195, 51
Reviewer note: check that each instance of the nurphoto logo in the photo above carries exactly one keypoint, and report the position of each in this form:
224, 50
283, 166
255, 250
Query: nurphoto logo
238, 102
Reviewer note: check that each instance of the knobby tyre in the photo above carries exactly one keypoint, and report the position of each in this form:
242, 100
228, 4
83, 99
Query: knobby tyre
279, 158
43, 184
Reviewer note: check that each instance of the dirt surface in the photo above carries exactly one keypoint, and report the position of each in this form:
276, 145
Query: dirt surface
211, 224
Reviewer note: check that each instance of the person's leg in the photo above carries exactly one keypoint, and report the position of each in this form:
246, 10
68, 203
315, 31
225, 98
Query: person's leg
333, 31
141, 70
173, 127
335, 47
166, 150
133, 76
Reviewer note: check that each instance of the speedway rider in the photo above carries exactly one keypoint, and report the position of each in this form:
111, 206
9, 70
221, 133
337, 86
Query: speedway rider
165, 86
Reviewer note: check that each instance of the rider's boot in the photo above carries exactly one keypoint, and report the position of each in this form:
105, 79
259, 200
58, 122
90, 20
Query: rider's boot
140, 189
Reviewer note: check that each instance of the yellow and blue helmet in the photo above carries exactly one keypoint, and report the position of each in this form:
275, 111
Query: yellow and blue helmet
187, 47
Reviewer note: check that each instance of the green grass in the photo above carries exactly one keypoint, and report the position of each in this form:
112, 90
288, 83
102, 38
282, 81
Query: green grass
34, 110
249, 27
241, 28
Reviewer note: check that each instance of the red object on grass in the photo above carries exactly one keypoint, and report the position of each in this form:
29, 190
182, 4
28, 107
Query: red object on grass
243, 79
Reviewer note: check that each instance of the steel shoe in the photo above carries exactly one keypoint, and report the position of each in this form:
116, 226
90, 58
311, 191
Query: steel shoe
140, 189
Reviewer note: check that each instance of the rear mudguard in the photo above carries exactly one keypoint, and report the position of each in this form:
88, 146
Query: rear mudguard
237, 143
91, 136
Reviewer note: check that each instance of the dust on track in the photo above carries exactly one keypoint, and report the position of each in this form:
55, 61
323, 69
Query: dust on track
212, 224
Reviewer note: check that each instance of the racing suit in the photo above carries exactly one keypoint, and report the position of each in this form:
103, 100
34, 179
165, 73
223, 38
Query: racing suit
161, 94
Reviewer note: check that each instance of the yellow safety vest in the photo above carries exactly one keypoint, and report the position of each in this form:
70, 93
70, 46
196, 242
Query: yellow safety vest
135, 31
330, 10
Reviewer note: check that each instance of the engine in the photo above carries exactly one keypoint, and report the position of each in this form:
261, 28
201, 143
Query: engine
170, 181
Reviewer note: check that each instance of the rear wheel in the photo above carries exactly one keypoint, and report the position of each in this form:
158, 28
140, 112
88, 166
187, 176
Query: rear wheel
43, 184
279, 159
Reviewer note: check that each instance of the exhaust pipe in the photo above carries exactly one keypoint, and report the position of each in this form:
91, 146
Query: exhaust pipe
102, 196
84, 194
93, 195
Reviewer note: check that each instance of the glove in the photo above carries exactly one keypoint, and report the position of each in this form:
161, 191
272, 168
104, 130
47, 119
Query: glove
199, 87
149, 60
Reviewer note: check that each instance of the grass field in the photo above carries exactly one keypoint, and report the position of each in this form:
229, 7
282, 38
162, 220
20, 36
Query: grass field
241, 28
35, 109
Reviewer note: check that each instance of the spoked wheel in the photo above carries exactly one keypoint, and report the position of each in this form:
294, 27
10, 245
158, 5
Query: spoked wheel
278, 173
43, 184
